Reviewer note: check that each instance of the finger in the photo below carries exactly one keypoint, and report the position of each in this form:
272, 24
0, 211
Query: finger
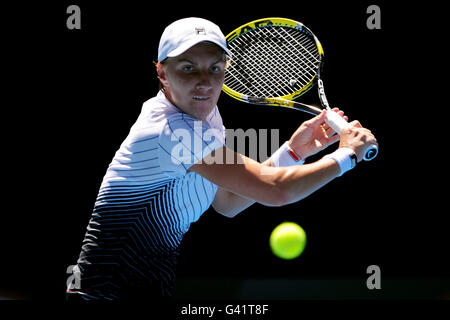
317, 120
368, 137
371, 139
355, 124
341, 113
335, 109
367, 131
333, 139
329, 131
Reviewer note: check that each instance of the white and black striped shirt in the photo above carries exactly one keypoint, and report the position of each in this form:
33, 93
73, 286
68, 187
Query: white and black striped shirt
147, 201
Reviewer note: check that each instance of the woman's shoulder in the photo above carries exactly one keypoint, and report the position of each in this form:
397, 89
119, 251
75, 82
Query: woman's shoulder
158, 109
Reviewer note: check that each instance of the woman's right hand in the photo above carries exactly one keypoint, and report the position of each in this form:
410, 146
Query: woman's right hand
357, 138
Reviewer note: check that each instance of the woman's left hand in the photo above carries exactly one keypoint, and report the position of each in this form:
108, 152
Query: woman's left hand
314, 135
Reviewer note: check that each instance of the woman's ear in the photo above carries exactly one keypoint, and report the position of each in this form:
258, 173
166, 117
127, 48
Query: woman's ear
161, 74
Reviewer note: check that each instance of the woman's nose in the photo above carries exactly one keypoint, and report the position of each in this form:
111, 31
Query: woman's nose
204, 81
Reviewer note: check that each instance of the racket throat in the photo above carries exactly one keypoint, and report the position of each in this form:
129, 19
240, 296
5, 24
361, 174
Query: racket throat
322, 96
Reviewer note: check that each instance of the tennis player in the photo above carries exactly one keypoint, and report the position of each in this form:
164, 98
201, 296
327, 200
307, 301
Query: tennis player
174, 165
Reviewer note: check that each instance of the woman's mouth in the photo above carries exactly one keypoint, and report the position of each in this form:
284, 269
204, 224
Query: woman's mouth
200, 98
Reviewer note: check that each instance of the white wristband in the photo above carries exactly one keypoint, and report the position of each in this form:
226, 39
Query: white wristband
285, 157
345, 158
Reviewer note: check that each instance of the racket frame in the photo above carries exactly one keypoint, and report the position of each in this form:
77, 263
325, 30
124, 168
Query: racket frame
287, 101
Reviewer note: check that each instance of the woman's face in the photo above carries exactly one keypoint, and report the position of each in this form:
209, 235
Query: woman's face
193, 80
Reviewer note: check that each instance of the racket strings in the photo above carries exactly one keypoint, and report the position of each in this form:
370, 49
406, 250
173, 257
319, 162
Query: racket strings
249, 60
303, 48
298, 65
305, 70
278, 63
246, 71
272, 62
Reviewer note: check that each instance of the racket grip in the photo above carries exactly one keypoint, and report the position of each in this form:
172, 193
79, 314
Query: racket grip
337, 123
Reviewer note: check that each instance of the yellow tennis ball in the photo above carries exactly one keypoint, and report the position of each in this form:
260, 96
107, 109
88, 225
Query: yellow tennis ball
287, 240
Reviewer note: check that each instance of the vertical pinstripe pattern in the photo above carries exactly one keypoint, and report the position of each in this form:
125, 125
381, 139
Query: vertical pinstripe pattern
145, 205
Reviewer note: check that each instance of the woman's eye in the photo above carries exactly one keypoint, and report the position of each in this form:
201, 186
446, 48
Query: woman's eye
188, 68
215, 69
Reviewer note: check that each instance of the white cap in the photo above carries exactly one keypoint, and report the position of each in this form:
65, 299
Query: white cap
186, 33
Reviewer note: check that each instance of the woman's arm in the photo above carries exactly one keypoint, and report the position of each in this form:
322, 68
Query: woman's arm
309, 138
230, 204
244, 181
267, 185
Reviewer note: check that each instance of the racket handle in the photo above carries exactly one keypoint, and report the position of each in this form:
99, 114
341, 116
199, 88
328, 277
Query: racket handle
337, 123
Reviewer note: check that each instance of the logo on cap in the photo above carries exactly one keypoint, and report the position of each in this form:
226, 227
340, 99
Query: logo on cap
200, 31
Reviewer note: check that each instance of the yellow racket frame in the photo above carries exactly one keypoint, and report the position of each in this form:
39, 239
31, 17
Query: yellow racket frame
285, 101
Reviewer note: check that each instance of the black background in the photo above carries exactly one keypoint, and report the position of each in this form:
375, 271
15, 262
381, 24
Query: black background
72, 95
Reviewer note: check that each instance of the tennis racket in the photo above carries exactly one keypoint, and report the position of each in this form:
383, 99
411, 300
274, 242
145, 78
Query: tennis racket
276, 60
